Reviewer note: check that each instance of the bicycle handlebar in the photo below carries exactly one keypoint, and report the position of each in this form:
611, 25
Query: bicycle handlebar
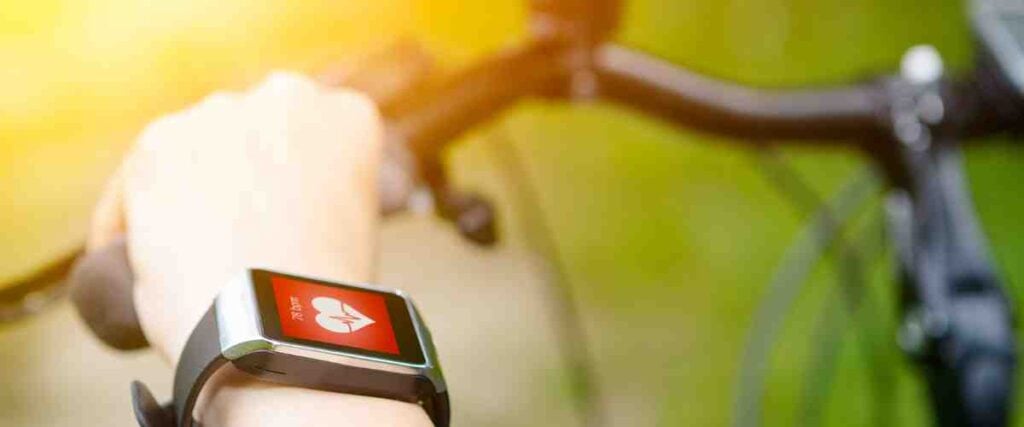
840, 114
424, 114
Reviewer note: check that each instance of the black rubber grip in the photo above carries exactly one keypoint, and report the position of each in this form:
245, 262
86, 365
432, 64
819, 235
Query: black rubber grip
101, 285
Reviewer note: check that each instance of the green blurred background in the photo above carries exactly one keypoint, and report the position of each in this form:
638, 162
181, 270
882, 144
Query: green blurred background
668, 238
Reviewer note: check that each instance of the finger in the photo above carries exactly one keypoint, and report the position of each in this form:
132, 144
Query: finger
282, 85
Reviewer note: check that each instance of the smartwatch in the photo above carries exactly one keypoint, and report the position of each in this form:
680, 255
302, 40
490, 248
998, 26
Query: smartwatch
316, 334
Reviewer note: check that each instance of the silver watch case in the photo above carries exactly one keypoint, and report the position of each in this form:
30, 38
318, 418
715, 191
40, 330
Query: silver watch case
241, 334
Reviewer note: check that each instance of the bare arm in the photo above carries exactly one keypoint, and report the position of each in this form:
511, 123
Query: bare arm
283, 177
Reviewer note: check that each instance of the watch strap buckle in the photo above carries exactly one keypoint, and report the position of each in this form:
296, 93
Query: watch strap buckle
148, 412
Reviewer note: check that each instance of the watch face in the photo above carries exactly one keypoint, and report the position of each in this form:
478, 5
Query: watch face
336, 317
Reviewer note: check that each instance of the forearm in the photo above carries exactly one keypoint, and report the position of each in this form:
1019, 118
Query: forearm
232, 398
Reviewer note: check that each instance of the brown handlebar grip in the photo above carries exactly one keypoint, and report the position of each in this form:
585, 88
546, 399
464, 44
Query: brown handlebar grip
101, 288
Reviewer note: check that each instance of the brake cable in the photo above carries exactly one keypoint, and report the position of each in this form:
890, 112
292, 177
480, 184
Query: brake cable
818, 235
571, 332
850, 276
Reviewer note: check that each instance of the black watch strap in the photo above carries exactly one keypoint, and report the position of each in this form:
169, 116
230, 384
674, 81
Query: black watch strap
200, 359
438, 409
147, 411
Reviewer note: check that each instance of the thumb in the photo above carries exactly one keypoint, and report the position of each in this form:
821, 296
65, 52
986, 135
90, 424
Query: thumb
108, 220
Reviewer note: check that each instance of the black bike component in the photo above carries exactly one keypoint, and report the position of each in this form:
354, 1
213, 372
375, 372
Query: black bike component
472, 214
827, 116
428, 119
957, 320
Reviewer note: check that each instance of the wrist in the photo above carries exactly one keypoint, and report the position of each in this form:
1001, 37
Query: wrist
167, 326
233, 398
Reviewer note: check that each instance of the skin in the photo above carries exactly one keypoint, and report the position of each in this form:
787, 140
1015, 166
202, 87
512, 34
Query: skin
282, 176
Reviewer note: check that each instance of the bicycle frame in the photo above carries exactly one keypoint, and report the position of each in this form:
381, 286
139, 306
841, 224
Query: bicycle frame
952, 298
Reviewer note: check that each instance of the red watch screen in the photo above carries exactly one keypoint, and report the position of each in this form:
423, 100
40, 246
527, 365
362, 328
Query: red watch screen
333, 315
336, 316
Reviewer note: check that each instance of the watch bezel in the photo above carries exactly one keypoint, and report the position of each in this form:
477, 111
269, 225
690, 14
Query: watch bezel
241, 333
407, 341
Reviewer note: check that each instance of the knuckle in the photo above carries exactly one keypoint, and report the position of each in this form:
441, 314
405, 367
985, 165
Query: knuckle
219, 99
156, 132
358, 114
285, 84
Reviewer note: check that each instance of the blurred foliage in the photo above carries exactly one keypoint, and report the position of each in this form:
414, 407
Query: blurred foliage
668, 237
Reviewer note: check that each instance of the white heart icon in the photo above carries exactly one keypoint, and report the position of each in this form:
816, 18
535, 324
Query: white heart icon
336, 316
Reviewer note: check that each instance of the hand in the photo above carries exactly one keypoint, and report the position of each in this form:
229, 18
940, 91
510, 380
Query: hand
281, 177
